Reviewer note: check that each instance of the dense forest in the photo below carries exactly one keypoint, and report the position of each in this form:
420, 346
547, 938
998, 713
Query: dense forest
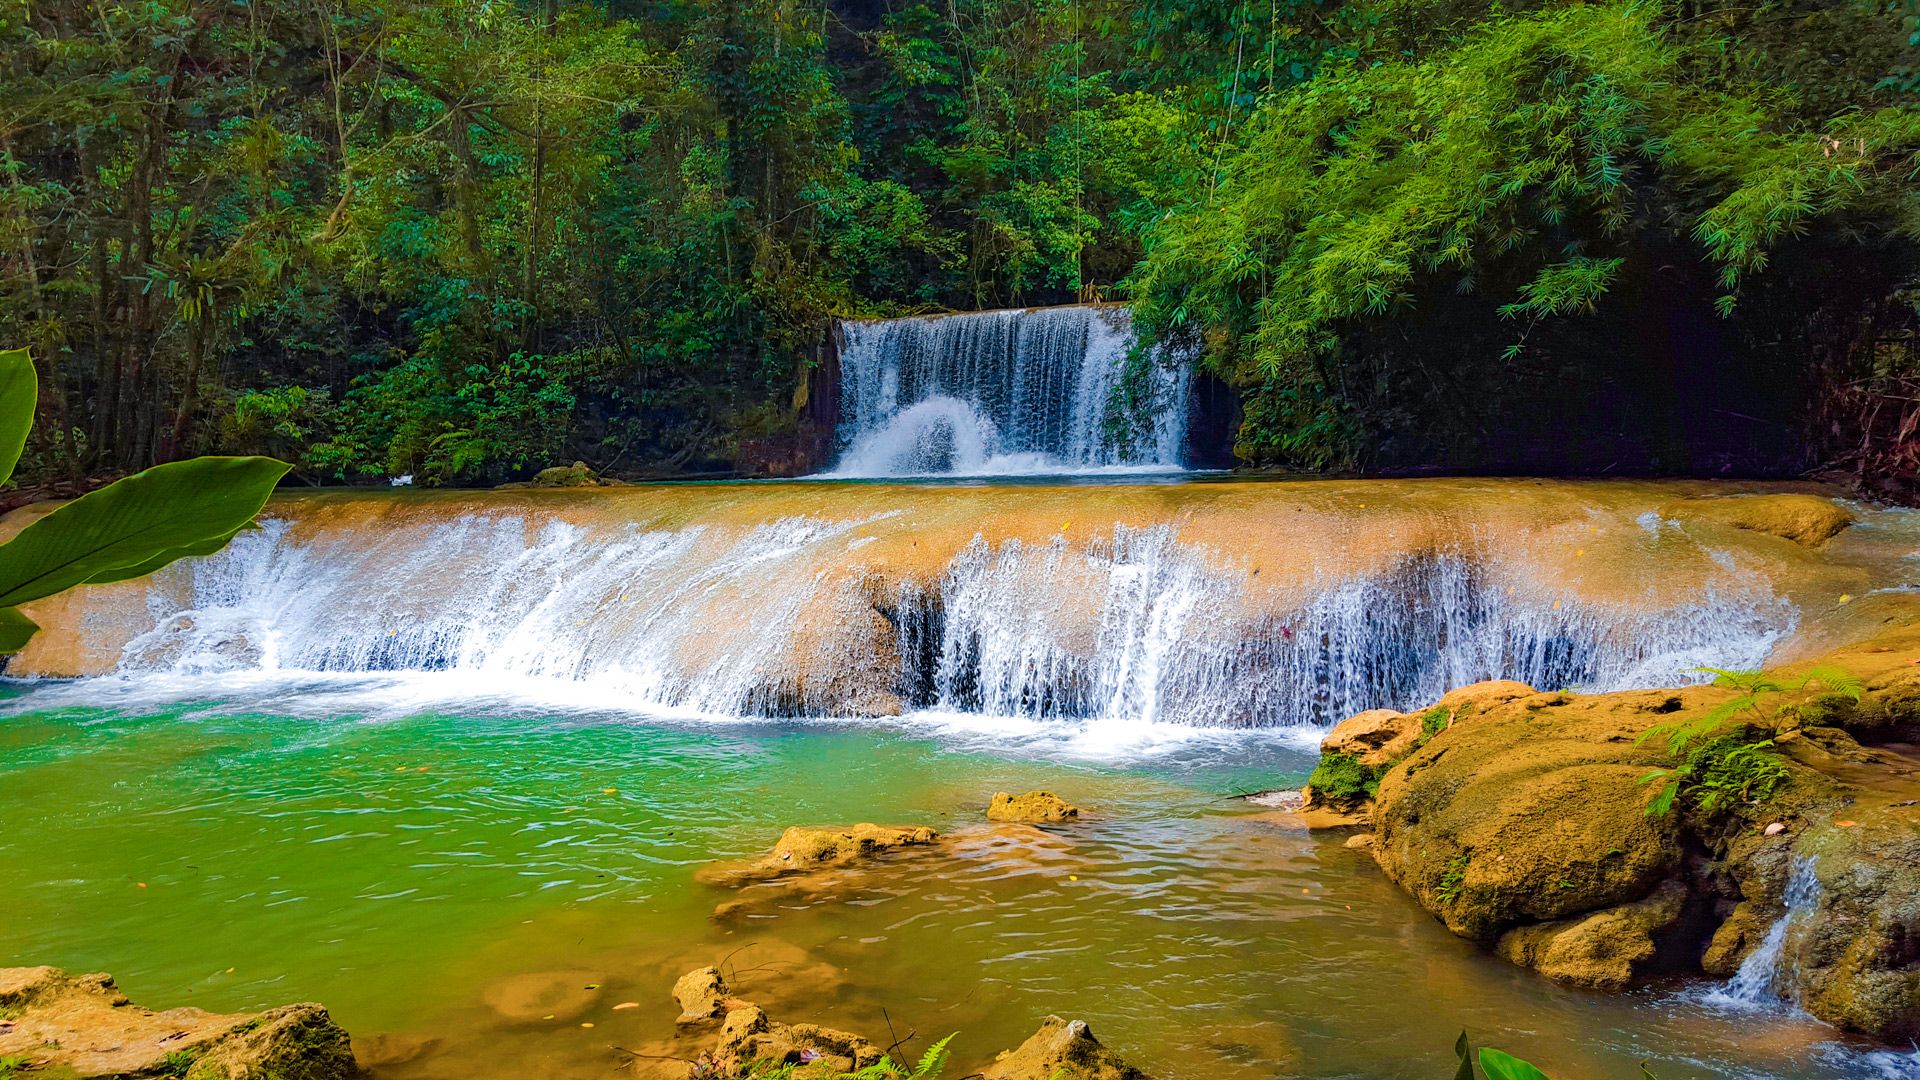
466, 239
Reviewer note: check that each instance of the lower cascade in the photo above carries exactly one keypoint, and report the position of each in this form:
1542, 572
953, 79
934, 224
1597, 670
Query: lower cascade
1127, 627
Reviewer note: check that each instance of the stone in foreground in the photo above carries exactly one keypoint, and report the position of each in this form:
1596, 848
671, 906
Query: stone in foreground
1038, 807
1061, 1050
83, 1026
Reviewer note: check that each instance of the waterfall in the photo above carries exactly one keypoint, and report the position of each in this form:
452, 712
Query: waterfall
1124, 630
1006, 392
1764, 978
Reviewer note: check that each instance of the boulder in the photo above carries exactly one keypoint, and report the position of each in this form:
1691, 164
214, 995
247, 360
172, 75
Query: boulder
1528, 829
1534, 813
574, 475
1061, 1050
1855, 958
1607, 950
82, 1026
1034, 806
1808, 520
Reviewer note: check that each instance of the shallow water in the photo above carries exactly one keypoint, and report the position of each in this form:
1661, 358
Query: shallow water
431, 876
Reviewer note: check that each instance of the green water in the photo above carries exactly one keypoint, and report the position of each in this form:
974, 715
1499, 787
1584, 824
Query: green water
416, 872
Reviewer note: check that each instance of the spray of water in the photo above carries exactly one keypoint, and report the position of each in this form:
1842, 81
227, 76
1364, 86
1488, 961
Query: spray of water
1765, 979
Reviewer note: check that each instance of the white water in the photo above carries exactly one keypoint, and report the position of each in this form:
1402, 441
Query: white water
1127, 640
1765, 979
1005, 393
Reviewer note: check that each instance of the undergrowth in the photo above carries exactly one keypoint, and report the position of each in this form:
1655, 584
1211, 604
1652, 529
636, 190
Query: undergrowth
1343, 780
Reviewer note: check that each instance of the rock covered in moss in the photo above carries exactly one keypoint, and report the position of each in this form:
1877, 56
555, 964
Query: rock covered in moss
1529, 829
82, 1026
1061, 1050
1855, 960
560, 476
1041, 807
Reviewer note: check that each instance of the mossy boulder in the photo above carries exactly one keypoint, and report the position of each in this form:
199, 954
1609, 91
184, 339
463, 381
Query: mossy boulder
81, 1026
1039, 807
1529, 828
1856, 958
562, 476
1373, 738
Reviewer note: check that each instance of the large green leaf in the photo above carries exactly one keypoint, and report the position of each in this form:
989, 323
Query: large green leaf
15, 630
131, 525
1503, 1066
171, 555
19, 394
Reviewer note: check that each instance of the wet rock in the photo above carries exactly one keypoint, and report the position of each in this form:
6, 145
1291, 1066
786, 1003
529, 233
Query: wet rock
1808, 520
1374, 737
1607, 950
1855, 961
1061, 1050
1034, 806
82, 1026
1362, 841
1527, 829
801, 850
702, 995
750, 1038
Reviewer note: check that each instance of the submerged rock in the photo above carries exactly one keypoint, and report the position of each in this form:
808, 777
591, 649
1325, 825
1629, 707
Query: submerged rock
801, 850
543, 995
82, 1026
1061, 1050
1034, 806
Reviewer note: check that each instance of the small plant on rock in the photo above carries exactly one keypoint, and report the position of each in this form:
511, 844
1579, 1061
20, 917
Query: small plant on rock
1454, 879
1717, 763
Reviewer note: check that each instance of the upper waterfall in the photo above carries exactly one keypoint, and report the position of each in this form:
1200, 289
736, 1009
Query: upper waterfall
1007, 392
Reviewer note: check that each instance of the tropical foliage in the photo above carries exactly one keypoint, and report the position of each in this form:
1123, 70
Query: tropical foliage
463, 239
